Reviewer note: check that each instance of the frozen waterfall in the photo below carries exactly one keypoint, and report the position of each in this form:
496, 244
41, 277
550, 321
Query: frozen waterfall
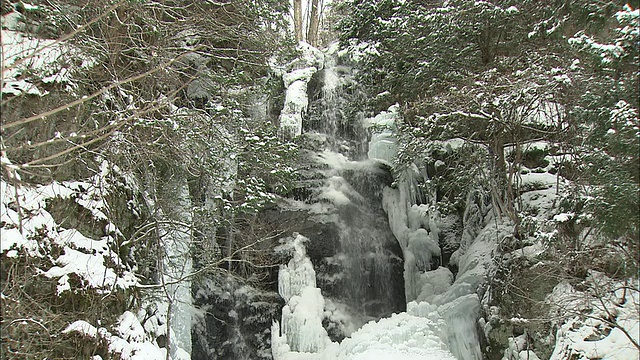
380, 231
176, 300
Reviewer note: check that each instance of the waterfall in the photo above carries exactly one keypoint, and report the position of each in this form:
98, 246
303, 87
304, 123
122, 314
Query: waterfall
359, 276
331, 84
375, 244
361, 273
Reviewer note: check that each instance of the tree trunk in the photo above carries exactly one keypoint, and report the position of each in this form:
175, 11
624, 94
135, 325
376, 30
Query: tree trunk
504, 189
314, 23
297, 19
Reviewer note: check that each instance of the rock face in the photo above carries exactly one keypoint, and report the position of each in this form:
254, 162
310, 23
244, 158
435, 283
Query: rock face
234, 320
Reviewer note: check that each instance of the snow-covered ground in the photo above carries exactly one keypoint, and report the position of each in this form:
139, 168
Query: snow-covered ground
603, 322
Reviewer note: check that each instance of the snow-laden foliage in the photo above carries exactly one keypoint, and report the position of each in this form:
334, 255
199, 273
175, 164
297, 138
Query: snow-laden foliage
607, 117
128, 342
164, 95
498, 73
30, 230
407, 45
82, 267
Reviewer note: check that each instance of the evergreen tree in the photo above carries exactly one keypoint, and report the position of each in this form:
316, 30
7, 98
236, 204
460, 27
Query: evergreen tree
504, 73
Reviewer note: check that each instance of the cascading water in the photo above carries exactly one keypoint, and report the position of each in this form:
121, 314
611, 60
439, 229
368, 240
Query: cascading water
364, 274
360, 274
328, 93
374, 247
331, 83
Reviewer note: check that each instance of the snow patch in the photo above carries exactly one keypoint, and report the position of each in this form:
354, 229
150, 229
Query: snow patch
587, 331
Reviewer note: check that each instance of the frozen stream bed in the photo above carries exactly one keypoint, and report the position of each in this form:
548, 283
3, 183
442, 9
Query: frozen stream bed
416, 334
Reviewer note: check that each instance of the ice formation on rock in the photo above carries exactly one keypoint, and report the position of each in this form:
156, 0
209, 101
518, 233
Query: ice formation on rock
383, 145
301, 329
178, 266
418, 238
296, 102
417, 229
295, 82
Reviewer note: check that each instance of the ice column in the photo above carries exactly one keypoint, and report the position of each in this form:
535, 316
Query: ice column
295, 81
296, 101
177, 264
302, 327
